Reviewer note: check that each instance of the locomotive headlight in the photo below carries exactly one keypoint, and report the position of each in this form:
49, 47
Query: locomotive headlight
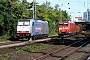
18, 31
60, 28
66, 28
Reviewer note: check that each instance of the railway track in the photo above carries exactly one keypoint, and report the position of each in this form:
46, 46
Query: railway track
22, 42
46, 53
50, 52
8, 42
19, 43
63, 52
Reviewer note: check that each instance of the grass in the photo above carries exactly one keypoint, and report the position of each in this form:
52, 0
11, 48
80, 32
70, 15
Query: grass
76, 37
86, 51
0, 57
79, 56
63, 58
83, 53
22, 50
2, 39
88, 31
32, 48
53, 34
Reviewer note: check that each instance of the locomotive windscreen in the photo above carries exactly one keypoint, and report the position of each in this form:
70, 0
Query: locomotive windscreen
64, 24
24, 22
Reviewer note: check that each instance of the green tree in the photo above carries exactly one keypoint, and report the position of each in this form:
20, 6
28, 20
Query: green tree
12, 10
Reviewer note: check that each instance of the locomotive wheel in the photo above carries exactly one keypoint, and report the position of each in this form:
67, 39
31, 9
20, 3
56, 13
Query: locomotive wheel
29, 38
34, 37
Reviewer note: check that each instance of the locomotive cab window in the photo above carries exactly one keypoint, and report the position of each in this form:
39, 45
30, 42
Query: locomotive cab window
27, 22
24, 22
33, 24
20, 23
63, 24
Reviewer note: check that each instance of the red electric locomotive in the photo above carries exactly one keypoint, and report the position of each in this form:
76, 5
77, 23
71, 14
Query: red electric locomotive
68, 28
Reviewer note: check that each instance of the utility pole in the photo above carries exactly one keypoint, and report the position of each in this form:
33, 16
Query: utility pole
60, 14
60, 11
33, 9
87, 11
46, 4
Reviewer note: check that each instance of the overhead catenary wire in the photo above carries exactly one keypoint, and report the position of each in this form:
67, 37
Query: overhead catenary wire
81, 3
88, 2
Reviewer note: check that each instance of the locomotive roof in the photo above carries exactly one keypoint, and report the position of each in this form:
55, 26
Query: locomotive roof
66, 22
31, 19
35, 20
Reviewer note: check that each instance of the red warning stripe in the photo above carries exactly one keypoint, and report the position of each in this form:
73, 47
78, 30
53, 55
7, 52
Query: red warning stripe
22, 31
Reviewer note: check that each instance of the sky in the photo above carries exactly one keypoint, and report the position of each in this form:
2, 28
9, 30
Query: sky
77, 7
